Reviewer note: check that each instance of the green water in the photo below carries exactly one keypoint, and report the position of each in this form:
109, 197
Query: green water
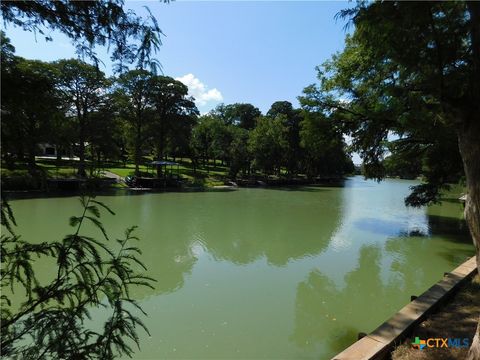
272, 273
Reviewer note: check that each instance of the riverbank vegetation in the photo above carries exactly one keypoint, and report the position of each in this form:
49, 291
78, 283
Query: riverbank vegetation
80, 122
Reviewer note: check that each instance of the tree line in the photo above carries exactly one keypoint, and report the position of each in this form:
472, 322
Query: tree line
138, 114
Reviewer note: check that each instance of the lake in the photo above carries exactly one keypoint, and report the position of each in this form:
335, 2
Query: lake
272, 273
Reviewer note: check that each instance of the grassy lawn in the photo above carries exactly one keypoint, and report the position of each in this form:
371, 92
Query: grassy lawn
129, 169
49, 169
205, 175
210, 175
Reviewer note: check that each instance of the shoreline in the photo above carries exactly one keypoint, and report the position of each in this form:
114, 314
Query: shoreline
115, 190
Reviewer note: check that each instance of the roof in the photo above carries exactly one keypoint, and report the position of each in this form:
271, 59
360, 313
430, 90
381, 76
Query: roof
164, 163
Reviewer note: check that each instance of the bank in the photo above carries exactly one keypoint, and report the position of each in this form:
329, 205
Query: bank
51, 175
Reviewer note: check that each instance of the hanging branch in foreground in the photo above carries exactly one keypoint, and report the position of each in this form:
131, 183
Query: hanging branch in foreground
129, 38
53, 321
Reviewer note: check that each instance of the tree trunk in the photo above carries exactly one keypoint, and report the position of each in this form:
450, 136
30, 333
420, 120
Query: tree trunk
32, 145
474, 352
159, 157
194, 164
138, 142
59, 155
32, 165
81, 148
9, 160
137, 156
470, 151
81, 155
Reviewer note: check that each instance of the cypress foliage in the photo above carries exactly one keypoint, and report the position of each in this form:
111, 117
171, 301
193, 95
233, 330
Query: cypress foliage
53, 320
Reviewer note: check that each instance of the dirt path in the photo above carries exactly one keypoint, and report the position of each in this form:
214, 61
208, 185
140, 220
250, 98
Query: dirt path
112, 175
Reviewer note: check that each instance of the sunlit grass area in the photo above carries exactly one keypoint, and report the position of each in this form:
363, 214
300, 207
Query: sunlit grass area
208, 175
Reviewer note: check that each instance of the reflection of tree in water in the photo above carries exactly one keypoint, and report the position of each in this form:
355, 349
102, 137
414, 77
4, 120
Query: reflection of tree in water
380, 285
416, 259
236, 228
168, 259
452, 228
172, 263
412, 256
325, 316
277, 230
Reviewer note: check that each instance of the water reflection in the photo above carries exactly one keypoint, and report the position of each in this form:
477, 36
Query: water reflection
411, 225
279, 230
401, 252
287, 226
449, 227
325, 315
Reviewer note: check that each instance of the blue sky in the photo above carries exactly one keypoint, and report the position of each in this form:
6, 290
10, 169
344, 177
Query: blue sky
229, 51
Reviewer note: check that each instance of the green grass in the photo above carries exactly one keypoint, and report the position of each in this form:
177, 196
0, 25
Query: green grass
48, 169
205, 176
129, 169
208, 175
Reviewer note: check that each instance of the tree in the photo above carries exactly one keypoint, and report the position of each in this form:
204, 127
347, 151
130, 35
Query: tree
134, 99
29, 104
243, 115
293, 118
178, 144
205, 137
412, 68
436, 158
61, 131
7, 100
82, 87
52, 320
324, 148
223, 112
132, 39
268, 143
172, 106
222, 139
239, 154
402, 163
105, 133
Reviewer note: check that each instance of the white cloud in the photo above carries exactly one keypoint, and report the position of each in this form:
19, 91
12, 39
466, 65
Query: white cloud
199, 90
